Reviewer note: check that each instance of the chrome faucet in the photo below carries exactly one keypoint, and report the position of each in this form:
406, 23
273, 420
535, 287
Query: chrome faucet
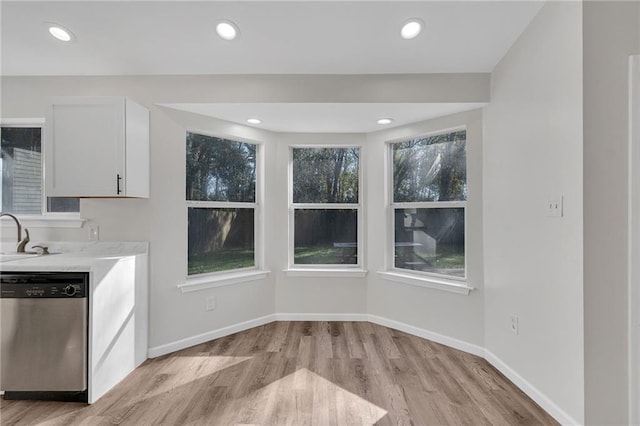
22, 244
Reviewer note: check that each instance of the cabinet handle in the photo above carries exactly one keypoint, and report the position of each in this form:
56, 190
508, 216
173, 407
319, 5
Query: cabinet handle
118, 179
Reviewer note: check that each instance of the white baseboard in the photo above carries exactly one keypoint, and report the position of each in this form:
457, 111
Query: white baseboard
225, 331
321, 317
210, 335
429, 335
532, 392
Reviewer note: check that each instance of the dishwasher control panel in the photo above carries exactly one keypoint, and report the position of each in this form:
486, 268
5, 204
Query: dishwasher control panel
43, 285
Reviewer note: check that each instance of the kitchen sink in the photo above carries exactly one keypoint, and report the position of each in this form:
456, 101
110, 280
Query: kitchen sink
7, 257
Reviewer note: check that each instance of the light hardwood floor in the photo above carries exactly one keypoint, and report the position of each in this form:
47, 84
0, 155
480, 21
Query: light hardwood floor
302, 373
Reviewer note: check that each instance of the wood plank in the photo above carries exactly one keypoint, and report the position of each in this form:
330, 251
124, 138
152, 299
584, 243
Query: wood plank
354, 340
294, 334
339, 341
279, 337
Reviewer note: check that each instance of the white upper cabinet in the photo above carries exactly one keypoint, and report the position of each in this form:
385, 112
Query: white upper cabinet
97, 147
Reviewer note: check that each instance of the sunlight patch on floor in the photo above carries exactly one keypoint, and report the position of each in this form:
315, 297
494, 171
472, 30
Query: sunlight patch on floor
184, 370
304, 397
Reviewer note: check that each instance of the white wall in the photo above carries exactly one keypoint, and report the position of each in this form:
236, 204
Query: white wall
611, 34
533, 263
634, 239
453, 315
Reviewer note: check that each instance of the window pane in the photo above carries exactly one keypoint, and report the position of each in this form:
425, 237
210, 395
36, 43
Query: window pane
325, 175
21, 167
220, 169
430, 240
326, 237
220, 239
430, 169
21, 164
63, 204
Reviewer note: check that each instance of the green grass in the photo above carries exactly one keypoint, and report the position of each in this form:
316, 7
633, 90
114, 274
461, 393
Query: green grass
446, 260
324, 256
221, 260
446, 257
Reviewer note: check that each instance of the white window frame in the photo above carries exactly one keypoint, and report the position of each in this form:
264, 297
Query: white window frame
334, 269
231, 276
45, 218
428, 279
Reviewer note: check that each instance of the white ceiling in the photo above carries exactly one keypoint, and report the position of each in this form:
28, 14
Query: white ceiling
326, 117
285, 37
303, 37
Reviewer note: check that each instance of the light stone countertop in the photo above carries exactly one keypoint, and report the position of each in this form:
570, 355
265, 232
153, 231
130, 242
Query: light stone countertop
75, 257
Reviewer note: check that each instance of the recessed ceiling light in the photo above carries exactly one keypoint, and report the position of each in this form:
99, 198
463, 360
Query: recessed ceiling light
254, 121
385, 121
59, 32
411, 28
227, 30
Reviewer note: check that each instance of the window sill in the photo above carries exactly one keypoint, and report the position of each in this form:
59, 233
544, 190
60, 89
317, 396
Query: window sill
46, 221
212, 281
333, 273
450, 286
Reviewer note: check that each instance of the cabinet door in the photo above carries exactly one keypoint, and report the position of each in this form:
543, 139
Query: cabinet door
85, 148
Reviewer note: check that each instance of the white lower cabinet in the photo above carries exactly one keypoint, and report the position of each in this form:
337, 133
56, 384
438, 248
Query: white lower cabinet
118, 321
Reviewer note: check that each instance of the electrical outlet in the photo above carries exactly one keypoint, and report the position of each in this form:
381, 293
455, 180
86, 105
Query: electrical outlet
515, 326
94, 232
554, 207
211, 303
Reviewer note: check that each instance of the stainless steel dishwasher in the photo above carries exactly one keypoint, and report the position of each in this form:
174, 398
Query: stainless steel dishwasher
44, 322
